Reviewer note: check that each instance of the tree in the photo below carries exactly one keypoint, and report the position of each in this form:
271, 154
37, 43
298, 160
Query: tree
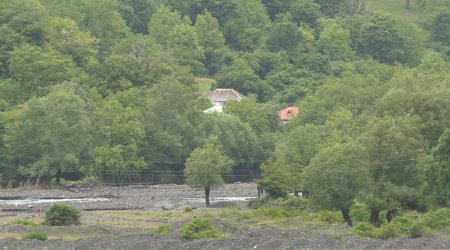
244, 27
284, 34
211, 39
48, 135
103, 20
240, 76
162, 23
68, 39
336, 176
305, 12
335, 42
387, 39
438, 172
137, 14
36, 69
396, 152
205, 167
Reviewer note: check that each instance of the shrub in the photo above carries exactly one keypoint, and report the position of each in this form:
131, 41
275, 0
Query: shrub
402, 224
62, 215
416, 231
364, 229
273, 213
331, 217
387, 232
188, 209
437, 219
35, 235
359, 212
200, 228
26, 223
163, 229
296, 202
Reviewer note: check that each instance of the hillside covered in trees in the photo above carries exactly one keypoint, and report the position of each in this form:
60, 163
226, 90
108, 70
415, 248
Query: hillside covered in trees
106, 89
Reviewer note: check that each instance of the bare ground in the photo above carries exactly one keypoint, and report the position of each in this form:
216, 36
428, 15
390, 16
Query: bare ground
143, 208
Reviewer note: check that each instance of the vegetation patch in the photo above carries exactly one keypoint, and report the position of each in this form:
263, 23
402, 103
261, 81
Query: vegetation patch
199, 228
35, 235
62, 215
163, 229
26, 223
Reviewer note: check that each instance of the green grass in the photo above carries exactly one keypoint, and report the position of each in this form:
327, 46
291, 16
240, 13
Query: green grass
204, 84
396, 8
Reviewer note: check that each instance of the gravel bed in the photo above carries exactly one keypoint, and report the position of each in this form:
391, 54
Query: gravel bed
156, 197
168, 197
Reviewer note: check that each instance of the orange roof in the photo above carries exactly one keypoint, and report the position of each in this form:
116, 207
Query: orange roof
287, 113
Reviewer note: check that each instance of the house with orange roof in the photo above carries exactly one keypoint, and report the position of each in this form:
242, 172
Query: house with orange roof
288, 113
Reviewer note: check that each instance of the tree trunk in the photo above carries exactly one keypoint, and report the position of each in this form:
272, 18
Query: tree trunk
375, 217
391, 214
207, 190
407, 4
58, 176
346, 214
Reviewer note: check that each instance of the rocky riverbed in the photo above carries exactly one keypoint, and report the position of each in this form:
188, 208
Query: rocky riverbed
168, 199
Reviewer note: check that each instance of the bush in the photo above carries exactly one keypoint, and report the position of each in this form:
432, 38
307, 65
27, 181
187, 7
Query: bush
437, 219
163, 229
402, 224
188, 209
359, 212
35, 235
296, 202
416, 231
331, 217
200, 228
364, 229
62, 215
26, 223
387, 232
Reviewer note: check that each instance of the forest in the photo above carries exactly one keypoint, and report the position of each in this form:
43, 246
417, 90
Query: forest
109, 89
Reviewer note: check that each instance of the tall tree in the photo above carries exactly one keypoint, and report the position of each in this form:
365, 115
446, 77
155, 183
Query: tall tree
48, 135
205, 167
336, 176
438, 172
211, 39
396, 150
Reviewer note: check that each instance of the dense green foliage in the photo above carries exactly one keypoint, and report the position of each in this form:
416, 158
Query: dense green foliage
199, 228
105, 89
62, 215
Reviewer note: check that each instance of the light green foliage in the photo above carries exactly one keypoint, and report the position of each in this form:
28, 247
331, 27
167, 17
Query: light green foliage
35, 235
162, 23
395, 148
278, 179
52, 132
36, 68
260, 118
335, 42
336, 176
25, 223
438, 172
200, 228
67, 38
62, 215
206, 165
364, 229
